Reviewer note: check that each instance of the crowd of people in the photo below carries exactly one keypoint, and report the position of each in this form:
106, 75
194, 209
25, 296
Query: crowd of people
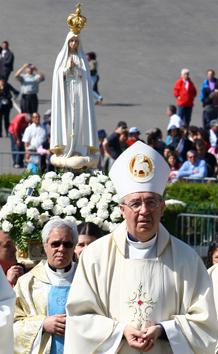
191, 151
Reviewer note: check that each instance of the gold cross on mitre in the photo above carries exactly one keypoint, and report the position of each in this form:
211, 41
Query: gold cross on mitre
76, 21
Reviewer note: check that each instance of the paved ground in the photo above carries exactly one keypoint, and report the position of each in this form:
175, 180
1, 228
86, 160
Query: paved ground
141, 47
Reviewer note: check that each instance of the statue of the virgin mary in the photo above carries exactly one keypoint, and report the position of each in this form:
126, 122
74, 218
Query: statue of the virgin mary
73, 124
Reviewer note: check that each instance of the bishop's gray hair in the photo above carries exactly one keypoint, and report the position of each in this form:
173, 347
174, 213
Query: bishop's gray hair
58, 223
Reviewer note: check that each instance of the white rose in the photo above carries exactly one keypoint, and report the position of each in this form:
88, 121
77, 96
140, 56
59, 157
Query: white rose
53, 187
93, 180
95, 198
21, 193
20, 208
32, 181
174, 201
67, 176
12, 200
34, 200
71, 218
79, 180
91, 205
57, 210
47, 204
116, 198
63, 201
45, 185
6, 226
102, 205
70, 210
85, 211
102, 214
82, 202
32, 213
6, 210
91, 217
106, 226
109, 226
107, 197
55, 217
98, 221
18, 187
98, 188
74, 194
54, 195
63, 188
115, 215
28, 227
43, 218
50, 175
102, 178
110, 187
85, 190
43, 196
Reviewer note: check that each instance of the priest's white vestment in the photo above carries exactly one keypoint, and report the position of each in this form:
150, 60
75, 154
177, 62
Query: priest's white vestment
32, 308
7, 302
213, 272
111, 290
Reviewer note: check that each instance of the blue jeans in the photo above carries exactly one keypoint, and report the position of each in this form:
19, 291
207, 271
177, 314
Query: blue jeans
185, 114
17, 158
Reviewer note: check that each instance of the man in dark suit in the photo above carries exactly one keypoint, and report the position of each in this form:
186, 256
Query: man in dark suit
6, 61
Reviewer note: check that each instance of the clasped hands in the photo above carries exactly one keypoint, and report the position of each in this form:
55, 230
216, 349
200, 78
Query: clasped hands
143, 339
72, 63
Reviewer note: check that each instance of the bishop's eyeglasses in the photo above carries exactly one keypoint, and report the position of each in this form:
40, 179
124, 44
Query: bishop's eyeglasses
150, 204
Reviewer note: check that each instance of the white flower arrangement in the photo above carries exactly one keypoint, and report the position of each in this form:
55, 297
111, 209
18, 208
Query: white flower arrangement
174, 202
35, 200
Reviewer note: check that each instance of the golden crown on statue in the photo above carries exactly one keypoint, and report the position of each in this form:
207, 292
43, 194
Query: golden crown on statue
76, 21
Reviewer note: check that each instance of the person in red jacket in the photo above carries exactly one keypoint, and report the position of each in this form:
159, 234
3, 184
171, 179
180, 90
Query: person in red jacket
184, 90
16, 130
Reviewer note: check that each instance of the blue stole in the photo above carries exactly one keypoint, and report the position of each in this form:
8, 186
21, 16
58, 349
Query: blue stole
57, 298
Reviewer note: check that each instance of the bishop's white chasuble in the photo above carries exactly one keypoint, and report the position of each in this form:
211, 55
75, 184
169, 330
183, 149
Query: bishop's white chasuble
110, 290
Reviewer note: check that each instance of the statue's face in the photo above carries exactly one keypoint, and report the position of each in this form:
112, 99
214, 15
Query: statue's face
73, 43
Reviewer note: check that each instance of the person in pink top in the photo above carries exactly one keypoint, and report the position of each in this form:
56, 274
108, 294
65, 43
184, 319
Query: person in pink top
16, 130
184, 90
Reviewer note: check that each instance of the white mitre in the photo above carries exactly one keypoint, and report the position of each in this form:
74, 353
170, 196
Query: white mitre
139, 168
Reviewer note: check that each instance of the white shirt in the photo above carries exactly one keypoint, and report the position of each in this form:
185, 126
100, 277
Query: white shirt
34, 135
175, 120
212, 138
4, 51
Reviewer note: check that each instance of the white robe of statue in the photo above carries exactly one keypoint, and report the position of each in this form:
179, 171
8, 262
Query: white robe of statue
73, 122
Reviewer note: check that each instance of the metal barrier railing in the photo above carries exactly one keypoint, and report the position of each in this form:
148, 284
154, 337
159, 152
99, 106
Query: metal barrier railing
198, 230
200, 180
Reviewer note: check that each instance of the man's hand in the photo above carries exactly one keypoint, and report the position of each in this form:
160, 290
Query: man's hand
136, 339
13, 273
153, 333
55, 324
142, 340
